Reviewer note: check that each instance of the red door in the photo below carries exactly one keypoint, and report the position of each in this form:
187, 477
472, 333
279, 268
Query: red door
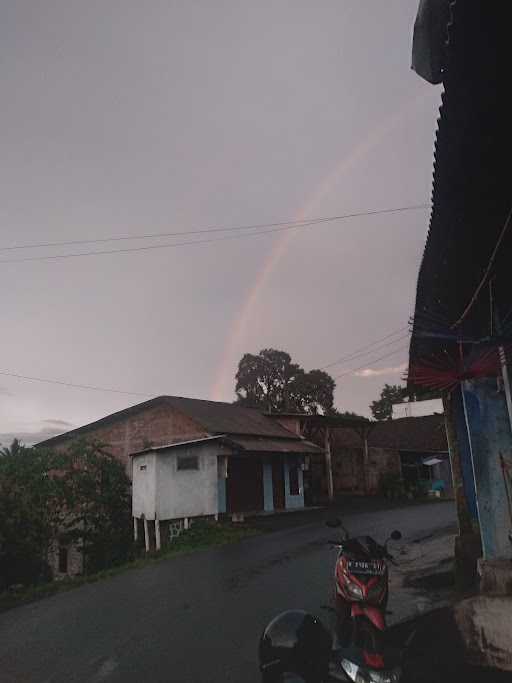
278, 483
245, 485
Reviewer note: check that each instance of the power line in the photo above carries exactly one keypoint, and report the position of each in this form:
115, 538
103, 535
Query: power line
8, 373
359, 352
89, 387
487, 271
199, 231
288, 225
375, 360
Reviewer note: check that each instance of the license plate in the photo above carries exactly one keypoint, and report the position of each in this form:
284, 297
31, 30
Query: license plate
363, 567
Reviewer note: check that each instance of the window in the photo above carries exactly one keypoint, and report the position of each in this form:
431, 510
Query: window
188, 462
63, 559
143, 467
294, 480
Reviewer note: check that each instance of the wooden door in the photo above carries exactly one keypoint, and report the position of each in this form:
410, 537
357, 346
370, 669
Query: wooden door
245, 485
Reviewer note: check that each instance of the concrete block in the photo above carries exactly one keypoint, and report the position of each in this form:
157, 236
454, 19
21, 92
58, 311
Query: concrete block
485, 626
495, 577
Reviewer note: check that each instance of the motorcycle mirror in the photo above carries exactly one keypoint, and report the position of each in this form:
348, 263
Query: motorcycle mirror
396, 535
333, 522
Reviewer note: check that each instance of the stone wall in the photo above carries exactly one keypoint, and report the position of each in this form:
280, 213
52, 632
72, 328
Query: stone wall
74, 564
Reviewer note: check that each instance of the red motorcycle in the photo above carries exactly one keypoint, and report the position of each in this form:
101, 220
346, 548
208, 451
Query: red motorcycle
361, 596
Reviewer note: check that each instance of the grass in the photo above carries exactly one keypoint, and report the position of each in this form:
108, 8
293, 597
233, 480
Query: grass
200, 537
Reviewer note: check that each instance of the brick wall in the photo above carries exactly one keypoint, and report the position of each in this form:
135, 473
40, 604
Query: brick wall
156, 426
348, 472
289, 422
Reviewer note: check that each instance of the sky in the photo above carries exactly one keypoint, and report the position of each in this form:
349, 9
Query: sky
121, 118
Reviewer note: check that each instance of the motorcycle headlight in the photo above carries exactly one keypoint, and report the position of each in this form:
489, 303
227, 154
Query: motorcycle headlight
354, 590
360, 675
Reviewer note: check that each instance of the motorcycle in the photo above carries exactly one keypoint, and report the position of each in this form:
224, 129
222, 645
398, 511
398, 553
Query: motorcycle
296, 646
361, 576
361, 580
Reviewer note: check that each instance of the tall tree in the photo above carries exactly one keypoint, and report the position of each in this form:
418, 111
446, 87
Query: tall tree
31, 505
270, 380
98, 502
16, 448
80, 497
382, 409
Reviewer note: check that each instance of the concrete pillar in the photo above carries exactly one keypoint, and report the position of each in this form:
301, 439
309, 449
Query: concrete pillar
146, 534
135, 530
268, 490
468, 546
490, 436
158, 542
186, 523
452, 436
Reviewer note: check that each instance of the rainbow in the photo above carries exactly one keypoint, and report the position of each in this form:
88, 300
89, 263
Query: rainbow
223, 382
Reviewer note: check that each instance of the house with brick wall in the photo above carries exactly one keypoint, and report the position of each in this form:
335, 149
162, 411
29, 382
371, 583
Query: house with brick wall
192, 458
359, 454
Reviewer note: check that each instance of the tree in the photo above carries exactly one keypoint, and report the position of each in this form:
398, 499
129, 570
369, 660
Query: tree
382, 409
30, 509
349, 413
98, 504
270, 380
80, 497
16, 448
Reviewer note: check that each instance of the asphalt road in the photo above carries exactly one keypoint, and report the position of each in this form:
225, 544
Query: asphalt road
189, 619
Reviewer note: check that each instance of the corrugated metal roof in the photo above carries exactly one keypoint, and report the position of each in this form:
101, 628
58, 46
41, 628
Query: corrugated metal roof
471, 186
229, 418
177, 444
214, 416
422, 434
254, 444
267, 445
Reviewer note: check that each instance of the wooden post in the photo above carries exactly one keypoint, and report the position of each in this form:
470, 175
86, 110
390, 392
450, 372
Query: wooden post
506, 383
146, 534
135, 530
328, 465
463, 515
157, 534
366, 462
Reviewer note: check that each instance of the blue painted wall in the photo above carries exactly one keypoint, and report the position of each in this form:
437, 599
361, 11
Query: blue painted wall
293, 501
268, 494
221, 494
489, 435
468, 478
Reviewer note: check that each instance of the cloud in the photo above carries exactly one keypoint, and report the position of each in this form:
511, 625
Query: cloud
371, 372
59, 423
5, 392
29, 438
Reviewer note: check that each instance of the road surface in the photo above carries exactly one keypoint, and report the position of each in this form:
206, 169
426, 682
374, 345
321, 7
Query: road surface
190, 619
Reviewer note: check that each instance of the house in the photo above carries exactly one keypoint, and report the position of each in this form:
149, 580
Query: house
360, 453
194, 458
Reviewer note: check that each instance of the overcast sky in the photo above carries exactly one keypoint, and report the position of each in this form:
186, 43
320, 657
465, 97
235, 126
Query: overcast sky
127, 118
